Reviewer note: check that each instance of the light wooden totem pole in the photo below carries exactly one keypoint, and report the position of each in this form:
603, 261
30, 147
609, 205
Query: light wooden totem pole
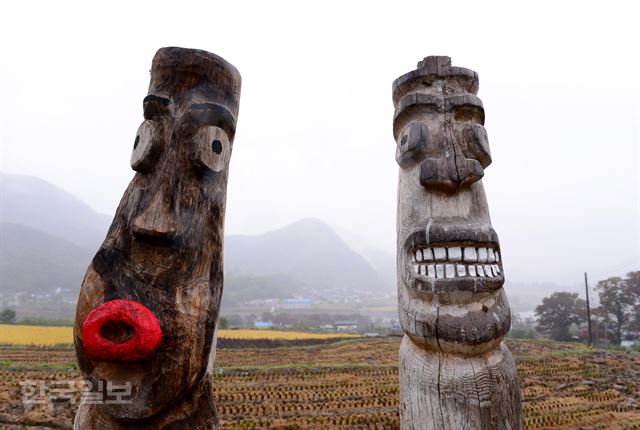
455, 371
149, 303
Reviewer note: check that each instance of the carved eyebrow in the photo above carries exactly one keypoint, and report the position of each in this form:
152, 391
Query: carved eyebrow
465, 100
207, 106
152, 98
215, 114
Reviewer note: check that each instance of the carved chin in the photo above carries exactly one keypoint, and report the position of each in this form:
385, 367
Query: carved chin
473, 327
120, 374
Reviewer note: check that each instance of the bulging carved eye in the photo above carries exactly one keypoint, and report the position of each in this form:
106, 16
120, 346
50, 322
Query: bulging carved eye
212, 149
413, 143
146, 146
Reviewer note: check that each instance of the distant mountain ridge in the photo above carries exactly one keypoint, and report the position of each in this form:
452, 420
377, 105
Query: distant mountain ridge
308, 250
36, 203
48, 237
37, 262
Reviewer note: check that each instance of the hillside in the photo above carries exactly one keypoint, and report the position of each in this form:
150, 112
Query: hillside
242, 288
37, 262
48, 238
307, 250
36, 203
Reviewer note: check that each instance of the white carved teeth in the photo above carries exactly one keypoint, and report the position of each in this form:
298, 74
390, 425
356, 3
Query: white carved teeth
472, 270
488, 271
457, 262
470, 255
455, 253
450, 271
427, 254
482, 255
440, 254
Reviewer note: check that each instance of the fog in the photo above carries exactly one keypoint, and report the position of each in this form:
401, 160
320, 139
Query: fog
559, 82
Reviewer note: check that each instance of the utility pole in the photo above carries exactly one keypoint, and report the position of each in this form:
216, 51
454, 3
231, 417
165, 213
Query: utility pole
586, 289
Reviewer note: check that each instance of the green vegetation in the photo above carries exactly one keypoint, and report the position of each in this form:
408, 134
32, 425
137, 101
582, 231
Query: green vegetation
49, 322
562, 316
7, 316
558, 312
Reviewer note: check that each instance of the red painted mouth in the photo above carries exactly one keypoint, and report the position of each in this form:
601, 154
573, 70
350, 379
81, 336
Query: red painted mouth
120, 330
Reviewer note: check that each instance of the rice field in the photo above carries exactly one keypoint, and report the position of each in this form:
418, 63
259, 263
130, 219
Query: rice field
45, 336
35, 335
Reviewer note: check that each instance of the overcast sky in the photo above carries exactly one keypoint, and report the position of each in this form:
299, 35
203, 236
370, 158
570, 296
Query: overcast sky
559, 81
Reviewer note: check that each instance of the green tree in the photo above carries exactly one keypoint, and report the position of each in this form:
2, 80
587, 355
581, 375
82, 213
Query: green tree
616, 306
557, 312
633, 287
8, 316
223, 323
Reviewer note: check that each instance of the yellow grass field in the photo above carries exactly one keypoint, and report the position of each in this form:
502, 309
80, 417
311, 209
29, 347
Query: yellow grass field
34, 335
39, 335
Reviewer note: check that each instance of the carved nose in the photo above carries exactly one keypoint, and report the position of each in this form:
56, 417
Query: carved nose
156, 221
120, 330
449, 173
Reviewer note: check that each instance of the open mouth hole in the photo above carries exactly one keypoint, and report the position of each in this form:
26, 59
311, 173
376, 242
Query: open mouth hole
153, 240
116, 331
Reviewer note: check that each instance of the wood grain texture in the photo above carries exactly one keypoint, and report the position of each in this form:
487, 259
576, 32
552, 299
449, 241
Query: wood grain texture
164, 249
455, 371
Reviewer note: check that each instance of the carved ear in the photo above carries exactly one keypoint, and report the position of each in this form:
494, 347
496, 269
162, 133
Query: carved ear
147, 146
212, 149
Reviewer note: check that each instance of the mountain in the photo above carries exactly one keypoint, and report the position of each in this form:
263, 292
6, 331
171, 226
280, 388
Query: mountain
48, 237
37, 262
307, 250
38, 204
242, 288
384, 263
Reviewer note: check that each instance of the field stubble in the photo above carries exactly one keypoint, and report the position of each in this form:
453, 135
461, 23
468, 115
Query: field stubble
353, 384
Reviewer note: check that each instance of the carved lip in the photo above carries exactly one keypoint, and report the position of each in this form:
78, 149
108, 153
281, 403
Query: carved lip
453, 258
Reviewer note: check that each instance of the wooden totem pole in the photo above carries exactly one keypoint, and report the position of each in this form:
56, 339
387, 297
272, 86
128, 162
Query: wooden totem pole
146, 318
455, 371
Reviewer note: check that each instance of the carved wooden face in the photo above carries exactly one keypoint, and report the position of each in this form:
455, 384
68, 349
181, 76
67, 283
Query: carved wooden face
449, 260
164, 250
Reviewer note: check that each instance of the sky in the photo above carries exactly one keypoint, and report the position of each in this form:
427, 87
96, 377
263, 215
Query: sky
559, 82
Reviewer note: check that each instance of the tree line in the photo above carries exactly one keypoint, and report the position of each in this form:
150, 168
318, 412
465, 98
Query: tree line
562, 316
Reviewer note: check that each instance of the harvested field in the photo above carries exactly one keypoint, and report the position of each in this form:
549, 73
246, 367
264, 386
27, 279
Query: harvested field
352, 384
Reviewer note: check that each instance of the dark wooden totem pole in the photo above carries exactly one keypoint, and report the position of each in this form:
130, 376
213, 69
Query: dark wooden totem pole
455, 371
146, 318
